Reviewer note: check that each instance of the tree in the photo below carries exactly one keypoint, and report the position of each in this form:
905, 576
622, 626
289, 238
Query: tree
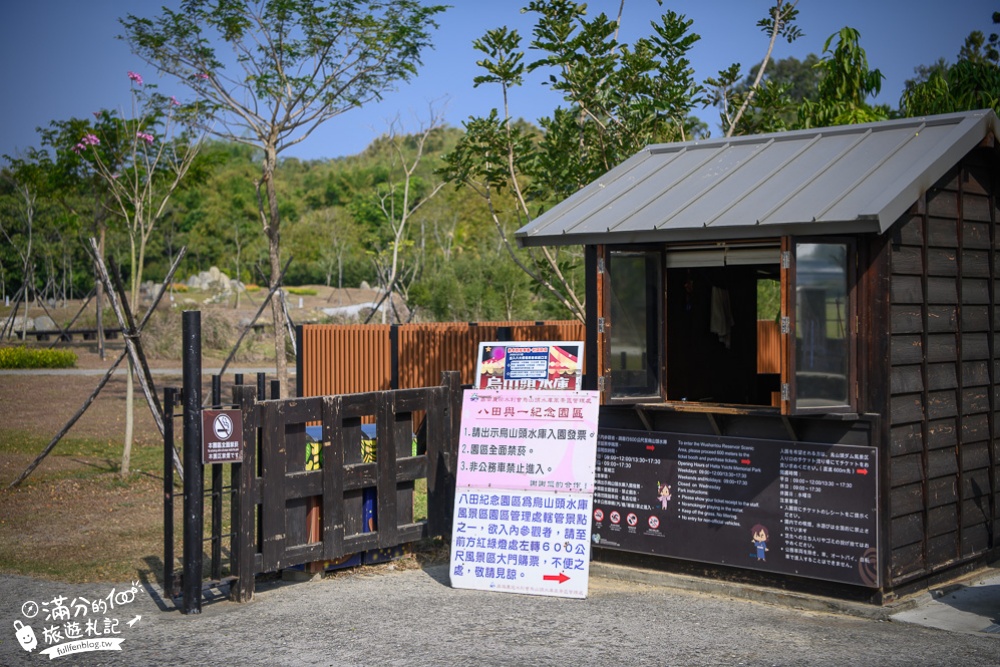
156, 153
399, 198
973, 82
298, 63
845, 86
619, 99
779, 22
24, 175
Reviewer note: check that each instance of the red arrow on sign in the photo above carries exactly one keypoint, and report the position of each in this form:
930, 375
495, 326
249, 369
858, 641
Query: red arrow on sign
745, 462
561, 578
862, 471
651, 448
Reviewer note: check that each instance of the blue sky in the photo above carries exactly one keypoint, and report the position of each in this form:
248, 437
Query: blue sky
61, 58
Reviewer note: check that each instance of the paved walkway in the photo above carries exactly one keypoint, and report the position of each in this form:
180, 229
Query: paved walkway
414, 617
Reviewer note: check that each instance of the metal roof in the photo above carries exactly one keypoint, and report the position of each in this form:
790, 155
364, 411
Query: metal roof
845, 179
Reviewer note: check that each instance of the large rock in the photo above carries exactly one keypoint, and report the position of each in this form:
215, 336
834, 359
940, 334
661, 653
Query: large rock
45, 323
212, 280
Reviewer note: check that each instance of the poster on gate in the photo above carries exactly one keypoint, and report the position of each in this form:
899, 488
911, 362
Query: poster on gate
530, 365
524, 495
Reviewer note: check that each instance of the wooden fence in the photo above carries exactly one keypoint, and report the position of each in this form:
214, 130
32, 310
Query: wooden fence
285, 515
352, 358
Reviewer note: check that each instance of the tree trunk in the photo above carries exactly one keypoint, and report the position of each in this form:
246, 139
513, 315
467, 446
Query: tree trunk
272, 224
129, 422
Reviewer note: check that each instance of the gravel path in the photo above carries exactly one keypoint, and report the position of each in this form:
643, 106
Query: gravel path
413, 617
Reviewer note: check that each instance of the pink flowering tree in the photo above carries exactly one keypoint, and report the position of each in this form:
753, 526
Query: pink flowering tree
154, 149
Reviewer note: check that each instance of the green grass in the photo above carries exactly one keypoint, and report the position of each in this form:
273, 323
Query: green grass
301, 291
103, 456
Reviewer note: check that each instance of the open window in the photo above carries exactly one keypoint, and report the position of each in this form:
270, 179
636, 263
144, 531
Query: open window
634, 305
819, 366
707, 325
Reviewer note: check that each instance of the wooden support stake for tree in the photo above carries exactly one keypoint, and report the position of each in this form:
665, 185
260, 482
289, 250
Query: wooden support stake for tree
119, 303
260, 310
63, 330
130, 331
8, 327
288, 323
107, 376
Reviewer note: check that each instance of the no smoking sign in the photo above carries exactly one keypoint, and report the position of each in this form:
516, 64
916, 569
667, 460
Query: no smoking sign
221, 436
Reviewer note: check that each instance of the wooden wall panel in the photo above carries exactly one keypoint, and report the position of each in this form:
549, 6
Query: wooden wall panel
945, 373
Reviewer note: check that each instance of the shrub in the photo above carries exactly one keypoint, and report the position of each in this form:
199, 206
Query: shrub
301, 291
23, 357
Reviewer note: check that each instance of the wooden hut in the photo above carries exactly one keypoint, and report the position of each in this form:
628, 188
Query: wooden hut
862, 451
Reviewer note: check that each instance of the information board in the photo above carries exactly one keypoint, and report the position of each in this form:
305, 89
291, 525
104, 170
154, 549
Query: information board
796, 508
524, 492
531, 365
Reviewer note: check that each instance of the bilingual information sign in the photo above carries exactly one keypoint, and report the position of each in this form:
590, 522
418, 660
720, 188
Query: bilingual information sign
524, 493
530, 365
221, 436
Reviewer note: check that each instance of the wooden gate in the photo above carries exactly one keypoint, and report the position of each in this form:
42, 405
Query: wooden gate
275, 493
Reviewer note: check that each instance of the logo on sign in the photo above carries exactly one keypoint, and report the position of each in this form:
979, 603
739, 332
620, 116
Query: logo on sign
598, 514
616, 517
632, 519
223, 426
654, 522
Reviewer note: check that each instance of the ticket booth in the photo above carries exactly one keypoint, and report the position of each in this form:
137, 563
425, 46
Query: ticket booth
795, 341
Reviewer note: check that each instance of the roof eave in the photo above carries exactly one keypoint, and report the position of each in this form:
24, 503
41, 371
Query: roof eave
861, 225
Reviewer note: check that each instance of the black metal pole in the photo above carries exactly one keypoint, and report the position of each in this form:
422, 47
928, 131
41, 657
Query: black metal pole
217, 493
193, 479
169, 394
394, 356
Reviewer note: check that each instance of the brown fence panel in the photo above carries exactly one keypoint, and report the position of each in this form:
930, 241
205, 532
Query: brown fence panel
425, 350
346, 359
768, 347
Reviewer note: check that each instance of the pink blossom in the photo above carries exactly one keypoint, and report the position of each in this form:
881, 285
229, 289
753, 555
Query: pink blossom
173, 100
135, 77
145, 136
97, 114
202, 75
87, 140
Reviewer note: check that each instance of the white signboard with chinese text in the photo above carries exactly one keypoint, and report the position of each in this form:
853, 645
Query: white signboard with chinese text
524, 492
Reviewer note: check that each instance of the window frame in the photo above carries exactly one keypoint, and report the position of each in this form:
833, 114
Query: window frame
787, 269
789, 275
657, 323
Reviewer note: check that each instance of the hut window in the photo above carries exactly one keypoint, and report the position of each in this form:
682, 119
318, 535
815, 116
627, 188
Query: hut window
714, 310
704, 324
822, 329
634, 339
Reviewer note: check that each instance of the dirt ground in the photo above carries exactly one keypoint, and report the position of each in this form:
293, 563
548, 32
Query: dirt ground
74, 518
